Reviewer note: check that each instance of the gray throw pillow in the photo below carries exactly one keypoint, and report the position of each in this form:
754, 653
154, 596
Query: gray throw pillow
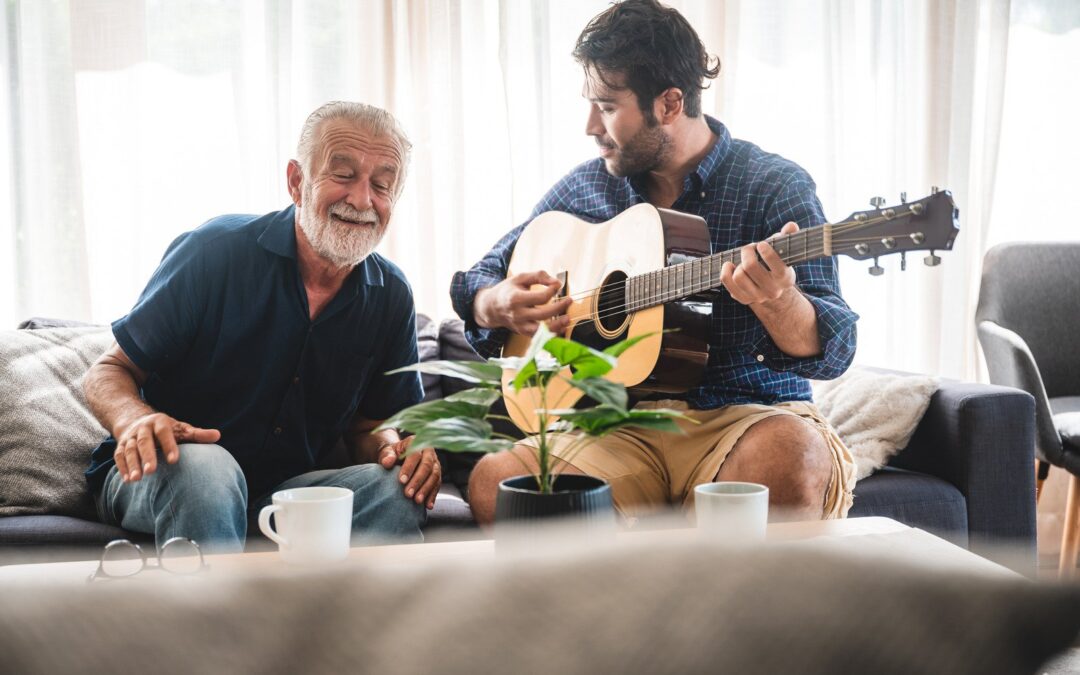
427, 342
454, 347
46, 430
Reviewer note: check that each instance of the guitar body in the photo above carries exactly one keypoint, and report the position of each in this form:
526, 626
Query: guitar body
649, 270
594, 261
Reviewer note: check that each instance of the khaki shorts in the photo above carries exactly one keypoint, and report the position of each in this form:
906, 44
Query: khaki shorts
648, 469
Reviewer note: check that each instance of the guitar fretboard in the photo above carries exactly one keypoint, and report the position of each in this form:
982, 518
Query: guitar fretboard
702, 274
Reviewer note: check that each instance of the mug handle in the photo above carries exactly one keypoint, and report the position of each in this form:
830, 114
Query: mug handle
264, 524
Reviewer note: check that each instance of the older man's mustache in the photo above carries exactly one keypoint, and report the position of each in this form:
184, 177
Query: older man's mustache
343, 211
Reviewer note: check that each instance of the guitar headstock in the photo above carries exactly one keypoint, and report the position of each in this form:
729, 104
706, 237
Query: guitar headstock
927, 224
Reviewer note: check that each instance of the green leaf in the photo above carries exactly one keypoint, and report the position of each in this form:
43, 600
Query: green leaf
526, 376
539, 339
481, 396
477, 372
508, 362
665, 424
618, 348
604, 419
416, 417
585, 361
532, 363
593, 421
603, 391
459, 435
661, 419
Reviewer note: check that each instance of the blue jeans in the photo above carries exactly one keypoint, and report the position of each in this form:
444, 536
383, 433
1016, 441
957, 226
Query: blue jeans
204, 497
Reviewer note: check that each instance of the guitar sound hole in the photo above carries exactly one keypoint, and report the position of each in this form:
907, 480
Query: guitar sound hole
611, 305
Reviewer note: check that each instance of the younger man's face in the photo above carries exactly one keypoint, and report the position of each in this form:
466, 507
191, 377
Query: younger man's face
630, 143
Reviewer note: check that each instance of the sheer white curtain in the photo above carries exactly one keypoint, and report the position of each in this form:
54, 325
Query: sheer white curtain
126, 122
875, 99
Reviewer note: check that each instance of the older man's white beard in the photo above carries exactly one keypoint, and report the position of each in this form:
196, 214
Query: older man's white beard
342, 244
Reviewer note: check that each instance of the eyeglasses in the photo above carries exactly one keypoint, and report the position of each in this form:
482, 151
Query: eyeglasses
124, 558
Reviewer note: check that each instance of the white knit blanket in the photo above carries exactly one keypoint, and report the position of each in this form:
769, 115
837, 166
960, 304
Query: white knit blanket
874, 413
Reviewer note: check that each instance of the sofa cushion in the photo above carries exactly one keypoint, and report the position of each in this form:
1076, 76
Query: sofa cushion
48, 432
454, 347
427, 342
57, 530
915, 499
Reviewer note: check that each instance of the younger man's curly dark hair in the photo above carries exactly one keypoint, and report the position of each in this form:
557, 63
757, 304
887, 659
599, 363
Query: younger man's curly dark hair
654, 47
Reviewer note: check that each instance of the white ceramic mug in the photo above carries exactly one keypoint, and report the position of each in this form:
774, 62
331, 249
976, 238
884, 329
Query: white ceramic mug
312, 524
732, 512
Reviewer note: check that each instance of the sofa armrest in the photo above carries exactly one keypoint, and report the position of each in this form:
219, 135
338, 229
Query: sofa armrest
981, 438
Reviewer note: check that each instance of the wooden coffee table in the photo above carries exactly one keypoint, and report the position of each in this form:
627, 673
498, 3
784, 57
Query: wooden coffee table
852, 537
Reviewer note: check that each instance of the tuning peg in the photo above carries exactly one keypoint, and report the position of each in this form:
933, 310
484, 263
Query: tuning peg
932, 260
876, 270
903, 198
903, 261
877, 202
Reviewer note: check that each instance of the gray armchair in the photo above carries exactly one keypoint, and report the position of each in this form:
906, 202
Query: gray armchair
1028, 321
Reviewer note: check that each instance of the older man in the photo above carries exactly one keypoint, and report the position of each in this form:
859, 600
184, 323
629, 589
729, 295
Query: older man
258, 343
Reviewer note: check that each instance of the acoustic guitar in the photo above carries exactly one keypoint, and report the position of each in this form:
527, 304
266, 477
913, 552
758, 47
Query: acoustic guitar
651, 270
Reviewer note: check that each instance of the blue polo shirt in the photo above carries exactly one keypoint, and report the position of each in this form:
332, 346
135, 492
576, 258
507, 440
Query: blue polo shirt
223, 331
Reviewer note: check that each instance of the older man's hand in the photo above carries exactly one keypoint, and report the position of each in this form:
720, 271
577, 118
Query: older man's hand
421, 473
136, 447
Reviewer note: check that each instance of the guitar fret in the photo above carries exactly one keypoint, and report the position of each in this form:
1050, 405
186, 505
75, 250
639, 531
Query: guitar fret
701, 274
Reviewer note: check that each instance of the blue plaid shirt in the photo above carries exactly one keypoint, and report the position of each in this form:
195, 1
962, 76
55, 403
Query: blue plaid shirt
745, 195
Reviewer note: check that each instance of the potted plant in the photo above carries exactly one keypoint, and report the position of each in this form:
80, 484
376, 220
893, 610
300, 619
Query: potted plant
461, 422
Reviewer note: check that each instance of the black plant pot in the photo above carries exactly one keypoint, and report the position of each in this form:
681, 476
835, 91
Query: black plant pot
585, 499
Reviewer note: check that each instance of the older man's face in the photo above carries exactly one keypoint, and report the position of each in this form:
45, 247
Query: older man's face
348, 191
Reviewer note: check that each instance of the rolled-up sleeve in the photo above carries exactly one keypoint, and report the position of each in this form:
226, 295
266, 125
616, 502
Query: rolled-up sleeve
797, 201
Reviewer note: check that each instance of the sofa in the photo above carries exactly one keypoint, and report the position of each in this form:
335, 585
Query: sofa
966, 473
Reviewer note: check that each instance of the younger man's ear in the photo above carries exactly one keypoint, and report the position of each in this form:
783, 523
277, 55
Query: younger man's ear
668, 105
294, 177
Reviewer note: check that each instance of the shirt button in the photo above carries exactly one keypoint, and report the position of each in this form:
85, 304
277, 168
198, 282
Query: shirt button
277, 431
760, 358
703, 194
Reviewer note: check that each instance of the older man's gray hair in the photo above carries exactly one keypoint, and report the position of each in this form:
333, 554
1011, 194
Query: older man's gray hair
376, 120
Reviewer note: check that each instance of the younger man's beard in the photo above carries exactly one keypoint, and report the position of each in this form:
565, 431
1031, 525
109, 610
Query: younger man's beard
647, 150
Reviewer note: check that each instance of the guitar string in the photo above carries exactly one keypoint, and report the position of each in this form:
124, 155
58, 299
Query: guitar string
617, 307
607, 308
814, 235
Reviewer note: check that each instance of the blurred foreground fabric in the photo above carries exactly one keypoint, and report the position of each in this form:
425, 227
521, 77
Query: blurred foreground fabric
689, 607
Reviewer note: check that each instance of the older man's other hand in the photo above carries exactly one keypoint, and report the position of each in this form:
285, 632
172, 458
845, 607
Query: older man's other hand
421, 472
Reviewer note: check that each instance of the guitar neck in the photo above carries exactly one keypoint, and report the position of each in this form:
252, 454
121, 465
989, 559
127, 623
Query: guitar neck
683, 280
